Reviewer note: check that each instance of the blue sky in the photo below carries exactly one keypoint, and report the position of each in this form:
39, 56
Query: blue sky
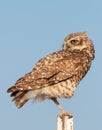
32, 29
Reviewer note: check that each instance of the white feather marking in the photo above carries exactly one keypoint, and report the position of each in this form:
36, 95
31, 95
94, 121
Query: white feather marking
38, 94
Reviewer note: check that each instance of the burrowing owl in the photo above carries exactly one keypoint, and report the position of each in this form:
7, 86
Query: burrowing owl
58, 74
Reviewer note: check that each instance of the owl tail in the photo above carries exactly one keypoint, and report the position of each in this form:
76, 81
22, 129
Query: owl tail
18, 98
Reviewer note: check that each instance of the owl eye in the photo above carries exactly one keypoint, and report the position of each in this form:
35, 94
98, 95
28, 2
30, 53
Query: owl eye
74, 41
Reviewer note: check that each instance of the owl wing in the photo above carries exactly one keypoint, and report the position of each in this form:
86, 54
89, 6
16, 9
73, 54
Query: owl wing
50, 70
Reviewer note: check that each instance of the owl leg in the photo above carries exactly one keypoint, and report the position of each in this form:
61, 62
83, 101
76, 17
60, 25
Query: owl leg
63, 112
58, 105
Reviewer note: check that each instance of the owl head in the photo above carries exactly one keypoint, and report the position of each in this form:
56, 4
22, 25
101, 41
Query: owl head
77, 41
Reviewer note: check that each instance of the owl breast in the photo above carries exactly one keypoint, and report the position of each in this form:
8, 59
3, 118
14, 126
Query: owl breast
64, 89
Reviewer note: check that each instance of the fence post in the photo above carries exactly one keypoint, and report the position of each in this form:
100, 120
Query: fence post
65, 122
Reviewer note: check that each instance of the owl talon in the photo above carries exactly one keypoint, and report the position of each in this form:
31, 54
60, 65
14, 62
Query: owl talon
63, 114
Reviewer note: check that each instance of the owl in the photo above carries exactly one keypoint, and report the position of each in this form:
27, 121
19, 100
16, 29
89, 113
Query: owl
58, 74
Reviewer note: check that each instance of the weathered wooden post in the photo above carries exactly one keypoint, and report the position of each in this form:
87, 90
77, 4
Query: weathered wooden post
65, 121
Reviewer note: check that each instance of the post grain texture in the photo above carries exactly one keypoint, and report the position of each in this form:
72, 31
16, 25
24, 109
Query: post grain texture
64, 122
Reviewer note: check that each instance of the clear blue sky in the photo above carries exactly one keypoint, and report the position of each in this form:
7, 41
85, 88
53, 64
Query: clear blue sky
32, 29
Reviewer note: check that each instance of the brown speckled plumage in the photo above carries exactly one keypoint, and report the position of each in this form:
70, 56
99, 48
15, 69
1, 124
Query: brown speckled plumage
58, 74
